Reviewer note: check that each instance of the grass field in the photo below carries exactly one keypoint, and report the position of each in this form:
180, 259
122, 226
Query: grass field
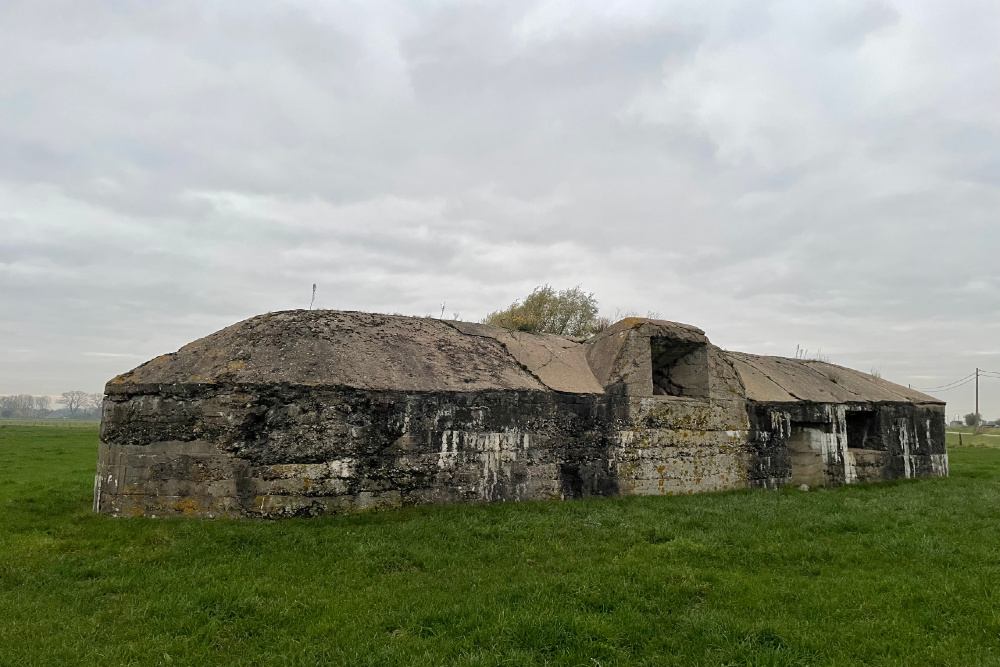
904, 573
966, 436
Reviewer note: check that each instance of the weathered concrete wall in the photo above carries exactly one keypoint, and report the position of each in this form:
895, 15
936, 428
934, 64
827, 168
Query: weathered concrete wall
678, 445
903, 440
212, 450
243, 452
284, 451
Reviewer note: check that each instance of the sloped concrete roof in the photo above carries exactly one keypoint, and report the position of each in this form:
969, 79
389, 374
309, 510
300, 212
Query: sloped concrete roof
371, 351
559, 363
331, 348
779, 379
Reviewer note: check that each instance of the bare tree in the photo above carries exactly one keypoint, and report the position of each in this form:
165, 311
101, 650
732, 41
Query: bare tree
93, 403
42, 405
24, 406
17, 406
73, 400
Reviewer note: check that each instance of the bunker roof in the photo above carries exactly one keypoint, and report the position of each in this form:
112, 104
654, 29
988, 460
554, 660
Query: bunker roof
331, 348
370, 351
779, 379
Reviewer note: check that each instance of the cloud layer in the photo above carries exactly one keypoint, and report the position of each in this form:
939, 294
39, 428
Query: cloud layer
823, 174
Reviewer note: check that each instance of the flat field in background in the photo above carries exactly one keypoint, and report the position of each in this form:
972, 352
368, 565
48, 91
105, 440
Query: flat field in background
905, 573
989, 437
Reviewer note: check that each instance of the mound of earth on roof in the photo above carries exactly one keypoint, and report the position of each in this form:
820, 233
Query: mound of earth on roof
371, 351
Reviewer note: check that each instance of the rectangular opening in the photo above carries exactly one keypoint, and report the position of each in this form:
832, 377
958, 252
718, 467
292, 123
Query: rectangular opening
805, 450
680, 368
861, 432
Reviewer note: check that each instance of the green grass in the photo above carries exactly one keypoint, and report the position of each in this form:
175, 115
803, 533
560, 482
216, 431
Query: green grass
905, 573
990, 437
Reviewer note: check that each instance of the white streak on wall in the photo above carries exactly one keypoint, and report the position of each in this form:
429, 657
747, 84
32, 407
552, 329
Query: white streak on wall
449, 449
835, 454
906, 443
97, 489
939, 464
496, 450
850, 468
782, 423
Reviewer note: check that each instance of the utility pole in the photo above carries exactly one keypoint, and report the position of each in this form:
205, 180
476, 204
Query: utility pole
976, 430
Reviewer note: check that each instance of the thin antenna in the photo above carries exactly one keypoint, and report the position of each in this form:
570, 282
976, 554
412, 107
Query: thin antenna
442, 310
313, 299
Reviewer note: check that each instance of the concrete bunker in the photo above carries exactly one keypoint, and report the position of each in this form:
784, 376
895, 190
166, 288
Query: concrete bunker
302, 413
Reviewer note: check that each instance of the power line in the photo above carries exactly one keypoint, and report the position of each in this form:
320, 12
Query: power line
936, 390
947, 384
978, 373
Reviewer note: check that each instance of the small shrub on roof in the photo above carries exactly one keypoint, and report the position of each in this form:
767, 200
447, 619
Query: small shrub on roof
570, 312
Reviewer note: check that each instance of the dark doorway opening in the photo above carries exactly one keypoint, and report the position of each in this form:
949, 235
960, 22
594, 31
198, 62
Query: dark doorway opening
861, 433
571, 481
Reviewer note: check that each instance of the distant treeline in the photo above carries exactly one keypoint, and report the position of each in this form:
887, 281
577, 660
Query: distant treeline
74, 404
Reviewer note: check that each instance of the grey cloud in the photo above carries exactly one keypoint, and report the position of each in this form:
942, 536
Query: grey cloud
779, 173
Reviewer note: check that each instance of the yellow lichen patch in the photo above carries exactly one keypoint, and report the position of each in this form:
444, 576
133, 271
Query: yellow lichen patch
236, 364
188, 506
135, 511
632, 322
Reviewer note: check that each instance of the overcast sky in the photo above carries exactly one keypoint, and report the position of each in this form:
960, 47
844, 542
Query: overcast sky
823, 174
